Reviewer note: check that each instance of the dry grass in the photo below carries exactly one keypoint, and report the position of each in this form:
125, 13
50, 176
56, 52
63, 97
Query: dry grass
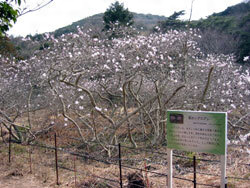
43, 171
88, 171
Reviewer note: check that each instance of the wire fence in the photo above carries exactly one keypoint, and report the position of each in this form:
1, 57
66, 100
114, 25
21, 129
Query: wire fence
124, 163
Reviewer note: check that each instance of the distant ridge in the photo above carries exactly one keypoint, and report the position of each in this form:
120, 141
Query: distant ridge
224, 32
143, 22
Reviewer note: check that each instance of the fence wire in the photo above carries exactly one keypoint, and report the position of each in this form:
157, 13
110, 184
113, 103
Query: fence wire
163, 153
108, 162
114, 161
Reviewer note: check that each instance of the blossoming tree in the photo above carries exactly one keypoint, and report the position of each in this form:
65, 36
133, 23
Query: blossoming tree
114, 90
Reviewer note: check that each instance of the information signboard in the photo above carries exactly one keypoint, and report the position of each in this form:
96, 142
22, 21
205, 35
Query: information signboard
197, 131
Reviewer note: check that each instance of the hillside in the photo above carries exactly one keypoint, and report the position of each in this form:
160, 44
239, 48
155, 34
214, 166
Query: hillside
145, 21
234, 22
224, 32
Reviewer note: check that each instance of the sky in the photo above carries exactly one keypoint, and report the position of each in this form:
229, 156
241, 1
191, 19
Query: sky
61, 13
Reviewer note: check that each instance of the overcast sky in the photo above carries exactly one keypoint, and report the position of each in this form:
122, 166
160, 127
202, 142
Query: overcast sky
61, 13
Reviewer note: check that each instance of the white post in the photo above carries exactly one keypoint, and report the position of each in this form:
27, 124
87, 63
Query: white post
223, 163
170, 167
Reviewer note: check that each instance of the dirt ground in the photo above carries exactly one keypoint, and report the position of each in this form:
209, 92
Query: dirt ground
17, 179
17, 173
20, 182
14, 178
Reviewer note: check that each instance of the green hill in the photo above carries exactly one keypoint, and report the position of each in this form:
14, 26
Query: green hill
143, 22
224, 32
234, 21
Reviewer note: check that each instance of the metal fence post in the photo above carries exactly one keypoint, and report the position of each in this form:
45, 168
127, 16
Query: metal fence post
30, 159
57, 181
120, 163
10, 145
194, 163
75, 170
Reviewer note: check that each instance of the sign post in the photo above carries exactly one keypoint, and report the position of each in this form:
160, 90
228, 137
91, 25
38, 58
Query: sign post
197, 132
170, 167
223, 162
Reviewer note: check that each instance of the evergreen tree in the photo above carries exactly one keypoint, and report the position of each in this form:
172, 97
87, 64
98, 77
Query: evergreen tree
173, 22
116, 14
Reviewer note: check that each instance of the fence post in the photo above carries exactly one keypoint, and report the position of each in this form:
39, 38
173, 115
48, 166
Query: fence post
2, 132
57, 181
30, 159
75, 169
120, 163
194, 163
170, 167
146, 174
223, 161
10, 144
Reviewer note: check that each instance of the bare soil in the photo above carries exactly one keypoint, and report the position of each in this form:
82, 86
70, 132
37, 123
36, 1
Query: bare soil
17, 173
10, 177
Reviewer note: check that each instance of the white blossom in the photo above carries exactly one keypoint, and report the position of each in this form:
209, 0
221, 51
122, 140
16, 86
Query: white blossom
246, 58
245, 137
98, 108
233, 106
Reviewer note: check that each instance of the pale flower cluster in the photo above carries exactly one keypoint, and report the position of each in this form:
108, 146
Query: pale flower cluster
81, 73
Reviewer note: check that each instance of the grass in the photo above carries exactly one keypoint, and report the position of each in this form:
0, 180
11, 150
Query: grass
43, 168
43, 162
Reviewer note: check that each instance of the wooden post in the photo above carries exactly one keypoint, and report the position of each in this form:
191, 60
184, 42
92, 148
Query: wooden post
170, 167
57, 179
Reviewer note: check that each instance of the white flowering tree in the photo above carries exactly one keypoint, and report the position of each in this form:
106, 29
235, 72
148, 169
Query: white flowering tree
23, 90
120, 89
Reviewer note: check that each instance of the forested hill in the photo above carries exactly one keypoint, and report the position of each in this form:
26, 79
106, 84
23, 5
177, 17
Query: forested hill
234, 21
231, 27
224, 32
142, 21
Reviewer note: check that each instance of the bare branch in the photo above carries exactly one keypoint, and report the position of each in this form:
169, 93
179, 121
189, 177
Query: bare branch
40, 6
